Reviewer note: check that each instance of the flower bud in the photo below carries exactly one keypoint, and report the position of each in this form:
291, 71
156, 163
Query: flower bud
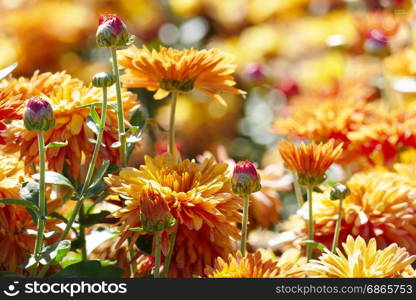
155, 214
38, 115
376, 43
339, 192
103, 79
288, 87
112, 32
254, 71
245, 179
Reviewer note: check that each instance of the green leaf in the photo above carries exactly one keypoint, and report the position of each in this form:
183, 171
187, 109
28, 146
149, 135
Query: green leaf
100, 172
7, 70
57, 144
57, 216
314, 244
92, 125
139, 117
137, 229
7, 274
54, 253
30, 192
29, 205
93, 219
55, 178
96, 190
95, 117
92, 269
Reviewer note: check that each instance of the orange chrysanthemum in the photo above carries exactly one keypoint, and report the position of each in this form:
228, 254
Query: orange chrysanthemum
172, 70
13, 92
67, 102
364, 261
10, 109
310, 162
255, 265
199, 198
16, 243
380, 142
381, 205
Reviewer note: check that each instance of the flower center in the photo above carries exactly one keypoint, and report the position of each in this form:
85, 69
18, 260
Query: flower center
176, 85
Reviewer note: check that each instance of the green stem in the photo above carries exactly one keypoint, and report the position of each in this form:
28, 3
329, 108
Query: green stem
171, 142
120, 112
337, 227
298, 190
172, 150
82, 235
309, 248
243, 245
88, 178
130, 256
42, 203
168, 258
157, 254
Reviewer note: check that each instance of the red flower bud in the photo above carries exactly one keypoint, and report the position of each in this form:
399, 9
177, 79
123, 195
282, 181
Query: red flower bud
288, 87
245, 179
112, 32
155, 214
38, 115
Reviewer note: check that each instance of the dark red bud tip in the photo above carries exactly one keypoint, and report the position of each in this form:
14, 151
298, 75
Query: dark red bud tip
245, 179
288, 87
38, 115
113, 22
254, 71
112, 32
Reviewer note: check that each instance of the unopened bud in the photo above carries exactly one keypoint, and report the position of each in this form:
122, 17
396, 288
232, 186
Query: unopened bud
339, 192
245, 179
112, 32
155, 214
38, 115
103, 79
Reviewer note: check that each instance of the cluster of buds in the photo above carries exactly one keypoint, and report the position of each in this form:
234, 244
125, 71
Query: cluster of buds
245, 179
155, 215
38, 115
112, 33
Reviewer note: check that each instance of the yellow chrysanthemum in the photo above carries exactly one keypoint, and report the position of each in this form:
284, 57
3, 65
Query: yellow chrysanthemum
16, 243
381, 205
364, 261
311, 161
199, 198
256, 265
172, 70
67, 101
